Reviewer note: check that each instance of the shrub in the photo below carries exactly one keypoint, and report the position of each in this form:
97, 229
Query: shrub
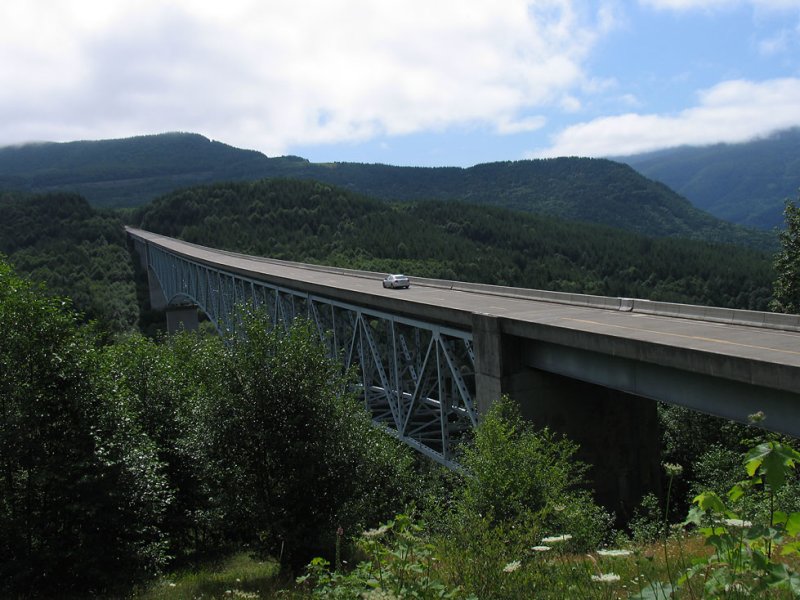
513, 472
292, 456
399, 563
517, 486
82, 495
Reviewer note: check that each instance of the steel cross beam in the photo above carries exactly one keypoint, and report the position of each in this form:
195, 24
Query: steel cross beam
416, 378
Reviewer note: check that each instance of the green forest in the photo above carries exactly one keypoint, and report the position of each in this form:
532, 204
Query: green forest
133, 467
78, 251
317, 223
133, 171
198, 466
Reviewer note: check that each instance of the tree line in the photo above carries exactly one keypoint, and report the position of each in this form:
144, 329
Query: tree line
80, 253
314, 222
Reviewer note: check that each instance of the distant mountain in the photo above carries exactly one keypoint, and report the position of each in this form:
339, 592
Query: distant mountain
744, 183
125, 172
130, 172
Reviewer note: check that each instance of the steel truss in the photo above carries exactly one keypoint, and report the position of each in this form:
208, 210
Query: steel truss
416, 378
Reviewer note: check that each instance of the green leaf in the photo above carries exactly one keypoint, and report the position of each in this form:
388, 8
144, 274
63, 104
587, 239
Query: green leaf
710, 501
735, 492
792, 526
696, 516
772, 459
790, 548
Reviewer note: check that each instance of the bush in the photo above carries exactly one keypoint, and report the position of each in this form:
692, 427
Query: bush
513, 472
289, 454
518, 485
82, 495
399, 563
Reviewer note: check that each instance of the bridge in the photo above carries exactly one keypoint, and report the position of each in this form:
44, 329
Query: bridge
432, 358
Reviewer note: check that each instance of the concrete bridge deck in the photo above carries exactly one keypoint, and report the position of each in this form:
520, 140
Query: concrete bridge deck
756, 348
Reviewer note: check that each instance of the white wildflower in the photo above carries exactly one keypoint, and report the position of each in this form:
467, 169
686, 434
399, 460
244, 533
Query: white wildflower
606, 578
373, 533
554, 539
737, 523
614, 552
512, 566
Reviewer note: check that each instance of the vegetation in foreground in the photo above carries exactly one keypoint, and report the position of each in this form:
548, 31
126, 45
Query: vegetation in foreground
121, 460
739, 545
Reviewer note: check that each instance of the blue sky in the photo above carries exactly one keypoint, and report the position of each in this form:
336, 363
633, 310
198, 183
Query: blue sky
417, 82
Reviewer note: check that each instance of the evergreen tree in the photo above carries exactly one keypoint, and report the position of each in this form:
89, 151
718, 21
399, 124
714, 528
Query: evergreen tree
82, 495
786, 290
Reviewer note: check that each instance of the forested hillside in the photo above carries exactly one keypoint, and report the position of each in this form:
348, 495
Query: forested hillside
133, 171
744, 183
314, 222
77, 251
126, 172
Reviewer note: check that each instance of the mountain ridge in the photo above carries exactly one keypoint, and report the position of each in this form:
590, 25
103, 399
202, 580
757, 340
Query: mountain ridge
745, 183
133, 171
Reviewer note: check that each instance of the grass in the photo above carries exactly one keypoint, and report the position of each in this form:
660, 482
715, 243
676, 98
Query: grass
238, 576
241, 576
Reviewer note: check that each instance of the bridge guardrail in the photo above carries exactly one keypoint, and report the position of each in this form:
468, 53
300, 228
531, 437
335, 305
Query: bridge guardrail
713, 314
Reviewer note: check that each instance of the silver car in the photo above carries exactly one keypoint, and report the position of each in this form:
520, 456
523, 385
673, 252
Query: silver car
396, 281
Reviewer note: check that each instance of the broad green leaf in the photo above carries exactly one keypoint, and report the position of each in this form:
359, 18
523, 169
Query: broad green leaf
710, 501
793, 524
735, 492
790, 548
655, 591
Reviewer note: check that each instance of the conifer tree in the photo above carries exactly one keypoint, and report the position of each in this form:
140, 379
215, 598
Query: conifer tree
786, 290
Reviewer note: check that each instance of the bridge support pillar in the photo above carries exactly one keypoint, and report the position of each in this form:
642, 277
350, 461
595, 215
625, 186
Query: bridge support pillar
498, 362
618, 433
182, 317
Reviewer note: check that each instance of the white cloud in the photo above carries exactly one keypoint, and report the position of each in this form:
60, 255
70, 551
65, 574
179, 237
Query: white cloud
776, 44
687, 5
733, 111
275, 74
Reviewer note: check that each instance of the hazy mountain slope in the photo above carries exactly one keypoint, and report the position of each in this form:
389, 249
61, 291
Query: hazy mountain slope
132, 171
743, 183
124, 172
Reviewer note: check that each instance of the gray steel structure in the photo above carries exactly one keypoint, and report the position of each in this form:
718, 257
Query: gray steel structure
415, 377
434, 357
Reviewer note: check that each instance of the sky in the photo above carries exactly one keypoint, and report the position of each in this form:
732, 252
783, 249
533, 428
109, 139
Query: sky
411, 82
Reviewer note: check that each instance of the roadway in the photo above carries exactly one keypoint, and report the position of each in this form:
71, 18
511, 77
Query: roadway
711, 342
